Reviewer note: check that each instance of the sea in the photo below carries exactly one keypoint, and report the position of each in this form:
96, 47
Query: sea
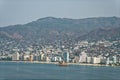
41, 71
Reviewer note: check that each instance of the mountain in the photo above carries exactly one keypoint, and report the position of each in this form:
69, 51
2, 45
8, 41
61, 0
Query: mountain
102, 34
51, 30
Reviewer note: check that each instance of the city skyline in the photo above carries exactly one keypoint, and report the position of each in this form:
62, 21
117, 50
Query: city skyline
20, 12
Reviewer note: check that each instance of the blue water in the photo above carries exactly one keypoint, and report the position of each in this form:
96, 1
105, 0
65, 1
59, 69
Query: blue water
29, 71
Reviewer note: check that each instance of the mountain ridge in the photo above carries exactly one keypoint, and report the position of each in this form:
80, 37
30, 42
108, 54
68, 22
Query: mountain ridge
51, 29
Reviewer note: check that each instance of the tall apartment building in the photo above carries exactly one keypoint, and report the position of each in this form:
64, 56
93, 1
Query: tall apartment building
96, 60
15, 56
66, 56
83, 57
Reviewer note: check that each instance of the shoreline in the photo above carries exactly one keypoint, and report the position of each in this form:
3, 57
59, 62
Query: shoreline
43, 62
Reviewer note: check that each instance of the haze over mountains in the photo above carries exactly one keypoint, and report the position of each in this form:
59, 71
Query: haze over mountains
53, 30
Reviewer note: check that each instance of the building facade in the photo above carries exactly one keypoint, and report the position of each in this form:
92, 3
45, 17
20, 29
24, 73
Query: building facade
66, 56
15, 57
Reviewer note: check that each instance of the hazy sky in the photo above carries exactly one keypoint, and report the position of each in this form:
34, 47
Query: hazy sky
24, 11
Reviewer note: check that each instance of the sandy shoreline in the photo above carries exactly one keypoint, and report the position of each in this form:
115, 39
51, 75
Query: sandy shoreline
42, 62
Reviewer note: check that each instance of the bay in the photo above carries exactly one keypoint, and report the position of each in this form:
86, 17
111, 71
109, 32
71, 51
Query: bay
40, 71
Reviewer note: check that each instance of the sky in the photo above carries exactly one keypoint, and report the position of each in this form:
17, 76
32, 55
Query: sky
23, 11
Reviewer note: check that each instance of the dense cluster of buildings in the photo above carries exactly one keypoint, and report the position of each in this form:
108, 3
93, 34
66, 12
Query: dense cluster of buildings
100, 52
48, 57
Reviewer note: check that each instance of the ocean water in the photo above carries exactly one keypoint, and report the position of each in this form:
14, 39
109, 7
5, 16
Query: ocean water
37, 71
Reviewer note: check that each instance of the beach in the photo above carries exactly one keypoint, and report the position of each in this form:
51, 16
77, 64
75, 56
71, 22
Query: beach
44, 62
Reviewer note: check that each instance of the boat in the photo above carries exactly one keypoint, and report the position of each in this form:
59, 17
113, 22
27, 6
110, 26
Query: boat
62, 63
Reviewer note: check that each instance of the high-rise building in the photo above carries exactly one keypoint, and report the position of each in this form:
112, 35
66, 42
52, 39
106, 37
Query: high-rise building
15, 56
31, 57
108, 61
36, 57
66, 56
26, 57
42, 57
114, 59
96, 60
89, 59
83, 57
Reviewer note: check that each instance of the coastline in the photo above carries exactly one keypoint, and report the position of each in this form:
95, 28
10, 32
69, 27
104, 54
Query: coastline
43, 62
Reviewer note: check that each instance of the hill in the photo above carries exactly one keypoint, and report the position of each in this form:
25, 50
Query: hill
51, 30
102, 34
